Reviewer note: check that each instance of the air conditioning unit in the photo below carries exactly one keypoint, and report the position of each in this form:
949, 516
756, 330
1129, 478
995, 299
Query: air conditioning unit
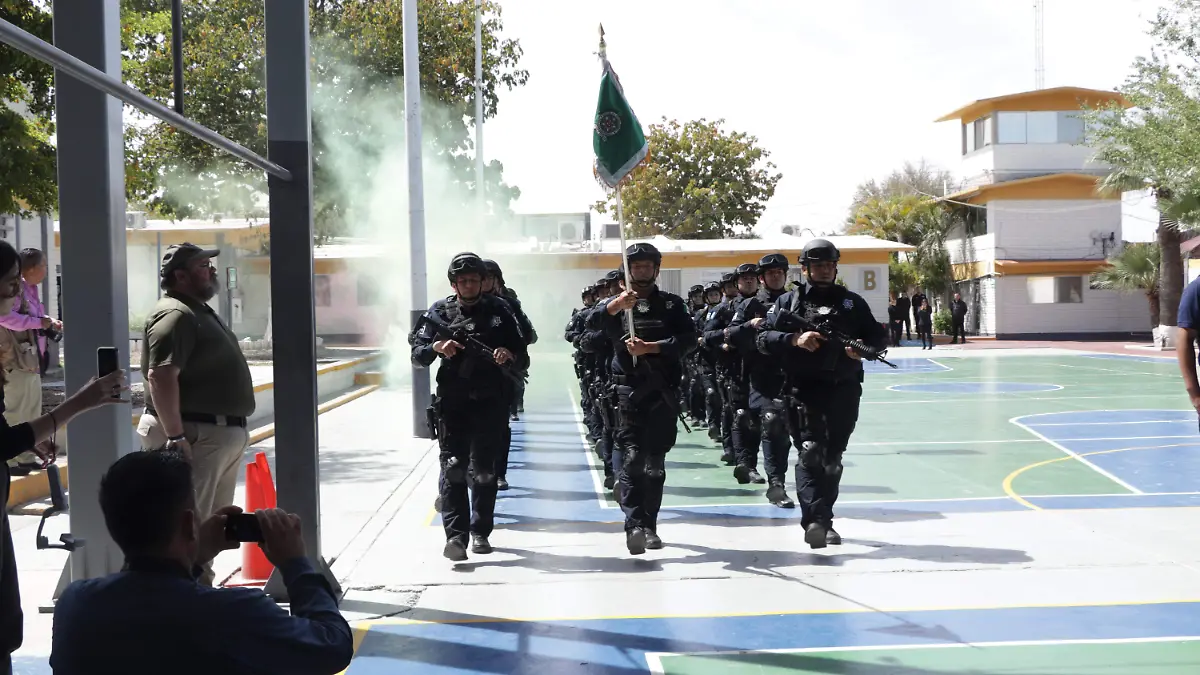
135, 220
570, 232
612, 231
788, 229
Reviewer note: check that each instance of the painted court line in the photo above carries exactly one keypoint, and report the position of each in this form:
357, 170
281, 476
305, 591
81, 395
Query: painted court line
939, 500
1016, 440
592, 460
1071, 452
655, 659
967, 400
1173, 376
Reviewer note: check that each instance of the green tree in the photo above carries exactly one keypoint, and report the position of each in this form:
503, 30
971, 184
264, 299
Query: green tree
1152, 145
699, 181
28, 162
917, 221
358, 61
1134, 269
911, 180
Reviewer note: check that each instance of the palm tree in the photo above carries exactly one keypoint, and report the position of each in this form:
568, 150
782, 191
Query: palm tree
1173, 210
1135, 268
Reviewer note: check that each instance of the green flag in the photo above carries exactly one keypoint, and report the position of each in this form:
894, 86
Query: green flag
617, 137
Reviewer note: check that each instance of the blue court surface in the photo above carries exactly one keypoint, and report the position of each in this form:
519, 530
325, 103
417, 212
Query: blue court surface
983, 477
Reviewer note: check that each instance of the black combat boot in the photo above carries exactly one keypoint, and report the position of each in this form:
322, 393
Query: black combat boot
777, 494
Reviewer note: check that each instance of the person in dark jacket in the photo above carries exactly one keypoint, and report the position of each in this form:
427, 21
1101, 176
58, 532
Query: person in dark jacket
904, 307
958, 319
925, 325
897, 318
155, 617
15, 440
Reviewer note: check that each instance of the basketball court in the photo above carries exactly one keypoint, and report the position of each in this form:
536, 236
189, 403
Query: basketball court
1016, 511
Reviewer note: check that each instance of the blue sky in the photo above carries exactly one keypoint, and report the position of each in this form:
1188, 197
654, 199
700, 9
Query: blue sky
839, 92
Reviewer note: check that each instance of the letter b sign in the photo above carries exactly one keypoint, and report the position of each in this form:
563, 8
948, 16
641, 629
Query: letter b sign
868, 278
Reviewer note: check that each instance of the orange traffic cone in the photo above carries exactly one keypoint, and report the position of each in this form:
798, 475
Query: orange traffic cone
255, 566
268, 485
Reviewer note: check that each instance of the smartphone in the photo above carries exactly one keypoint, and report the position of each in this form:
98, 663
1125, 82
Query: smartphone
106, 361
243, 527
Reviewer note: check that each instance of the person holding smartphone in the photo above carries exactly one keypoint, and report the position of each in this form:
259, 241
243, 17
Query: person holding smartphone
148, 618
19, 438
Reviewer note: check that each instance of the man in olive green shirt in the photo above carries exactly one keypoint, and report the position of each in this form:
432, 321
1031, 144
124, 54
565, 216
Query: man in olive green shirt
199, 392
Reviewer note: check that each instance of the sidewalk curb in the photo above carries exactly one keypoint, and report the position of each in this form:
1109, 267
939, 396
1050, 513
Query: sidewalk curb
36, 486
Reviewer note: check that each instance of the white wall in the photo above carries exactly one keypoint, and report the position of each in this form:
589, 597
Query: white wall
981, 247
987, 306
1100, 312
1052, 229
1049, 157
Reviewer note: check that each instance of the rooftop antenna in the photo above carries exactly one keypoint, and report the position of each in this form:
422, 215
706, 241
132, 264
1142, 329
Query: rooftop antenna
1039, 45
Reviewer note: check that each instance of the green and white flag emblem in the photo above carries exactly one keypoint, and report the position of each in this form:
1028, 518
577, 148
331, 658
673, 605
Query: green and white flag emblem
617, 137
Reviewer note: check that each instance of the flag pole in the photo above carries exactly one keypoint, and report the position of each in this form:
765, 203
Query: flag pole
625, 262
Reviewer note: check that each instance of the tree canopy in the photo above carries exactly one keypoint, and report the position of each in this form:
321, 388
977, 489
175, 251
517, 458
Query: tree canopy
357, 64
28, 167
699, 181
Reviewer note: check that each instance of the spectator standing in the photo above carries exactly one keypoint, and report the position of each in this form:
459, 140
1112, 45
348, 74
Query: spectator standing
924, 321
154, 617
199, 392
23, 354
958, 319
905, 307
897, 318
23, 437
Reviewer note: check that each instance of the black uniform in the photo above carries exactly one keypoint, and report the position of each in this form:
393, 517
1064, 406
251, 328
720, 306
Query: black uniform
647, 396
596, 343
472, 402
958, 320
765, 423
743, 436
822, 388
705, 381
715, 321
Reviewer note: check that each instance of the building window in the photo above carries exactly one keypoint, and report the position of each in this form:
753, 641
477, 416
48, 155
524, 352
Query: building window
322, 291
1054, 290
1041, 127
977, 135
1070, 128
975, 221
1010, 127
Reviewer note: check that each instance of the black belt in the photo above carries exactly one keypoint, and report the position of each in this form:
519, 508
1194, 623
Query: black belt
200, 418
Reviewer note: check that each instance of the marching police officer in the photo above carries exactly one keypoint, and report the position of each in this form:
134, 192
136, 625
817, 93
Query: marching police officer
584, 363
646, 371
824, 379
493, 284
743, 429
718, 318
476, 337
765, 421
596, 342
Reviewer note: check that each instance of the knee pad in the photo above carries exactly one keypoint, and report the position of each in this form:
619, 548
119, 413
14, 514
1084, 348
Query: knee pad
633, 461
483, 479
773, 422
812, 454
455, 472
656, 466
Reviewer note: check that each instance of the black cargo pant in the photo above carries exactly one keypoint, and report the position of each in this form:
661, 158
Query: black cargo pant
645, 433
471, 437
770, 431
747, 427
823, 413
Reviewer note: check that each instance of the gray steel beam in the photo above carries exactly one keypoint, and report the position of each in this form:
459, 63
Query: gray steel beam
422, 395
293, 317
66, 63
91, 185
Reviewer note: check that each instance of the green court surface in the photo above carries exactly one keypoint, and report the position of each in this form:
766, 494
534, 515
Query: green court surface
958, 440
1158, 657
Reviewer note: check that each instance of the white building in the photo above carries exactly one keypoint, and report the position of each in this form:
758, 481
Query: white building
1036, 226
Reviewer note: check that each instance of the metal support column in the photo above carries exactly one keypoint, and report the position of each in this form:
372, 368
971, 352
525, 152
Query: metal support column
289, 144
91, 186
421, 393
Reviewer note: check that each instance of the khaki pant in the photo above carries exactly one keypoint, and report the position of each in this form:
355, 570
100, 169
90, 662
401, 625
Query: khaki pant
22, 403
217, 453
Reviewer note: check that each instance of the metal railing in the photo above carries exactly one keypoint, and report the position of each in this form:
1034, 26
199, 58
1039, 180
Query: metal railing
43, 51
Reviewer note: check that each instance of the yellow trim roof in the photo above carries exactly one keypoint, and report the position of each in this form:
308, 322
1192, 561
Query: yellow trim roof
1058, 98
1050, 186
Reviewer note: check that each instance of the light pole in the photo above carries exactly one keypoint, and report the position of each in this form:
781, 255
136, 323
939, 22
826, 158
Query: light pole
421, 394
480, 197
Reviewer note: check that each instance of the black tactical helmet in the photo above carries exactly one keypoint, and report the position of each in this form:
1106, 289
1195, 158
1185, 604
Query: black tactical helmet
819, 250
746, 268
493, 269
614, 275
587, 291
728, 278
465, 263
696, 290
773, 261
643, 251
712, 286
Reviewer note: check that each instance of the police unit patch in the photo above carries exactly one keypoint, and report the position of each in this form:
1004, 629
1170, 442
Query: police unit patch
470, 326
496, 321
643, 306
848, 303
670, 304
608, 124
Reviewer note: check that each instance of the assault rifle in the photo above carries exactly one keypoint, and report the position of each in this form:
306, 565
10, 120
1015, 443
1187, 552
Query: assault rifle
473, 346
842, 340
